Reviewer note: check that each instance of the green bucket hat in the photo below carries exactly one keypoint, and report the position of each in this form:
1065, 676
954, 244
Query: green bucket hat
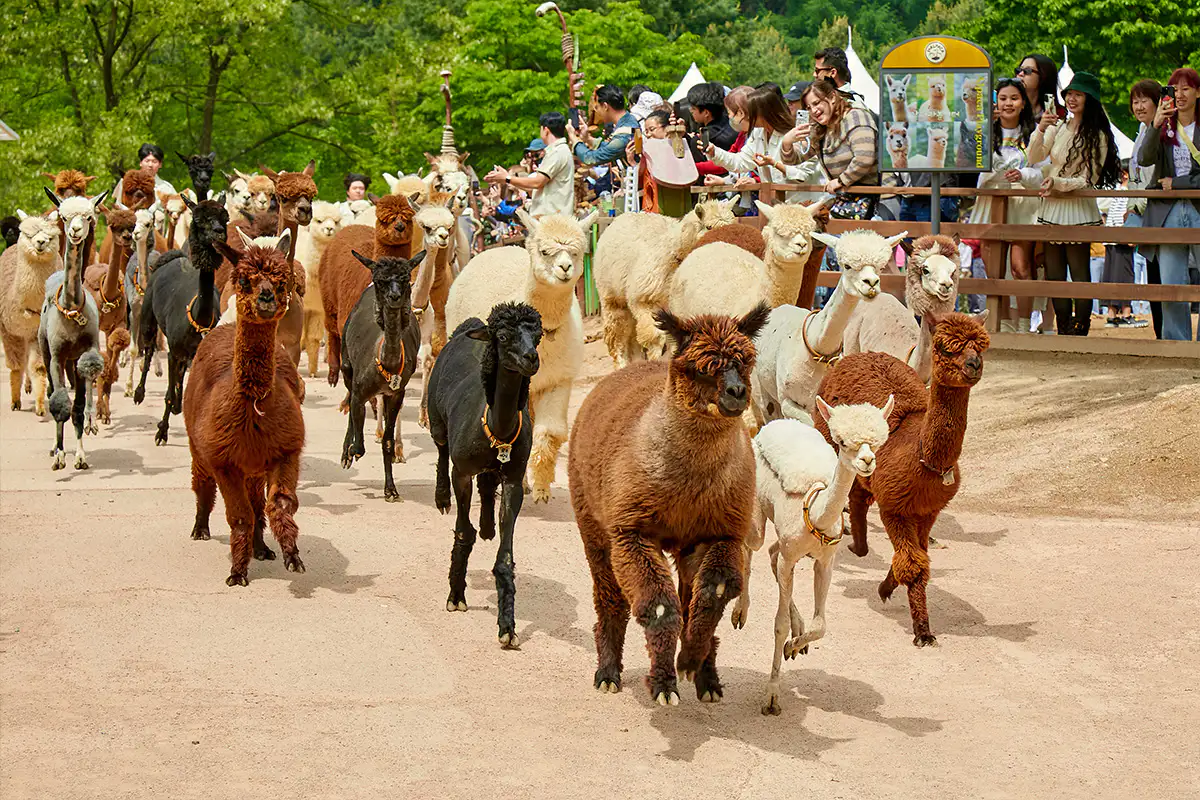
1087, 83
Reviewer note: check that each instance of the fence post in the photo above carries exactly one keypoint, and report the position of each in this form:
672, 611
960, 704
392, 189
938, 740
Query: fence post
994, 261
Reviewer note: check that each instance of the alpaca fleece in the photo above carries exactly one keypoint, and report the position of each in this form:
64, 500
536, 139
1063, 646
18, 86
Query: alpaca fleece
743, 236
137, 181
120, 223
70, 180
24, 268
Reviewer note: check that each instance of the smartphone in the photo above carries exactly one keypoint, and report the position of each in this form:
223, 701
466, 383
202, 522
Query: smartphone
1168, 91
704, 139
801, 116
1049, 104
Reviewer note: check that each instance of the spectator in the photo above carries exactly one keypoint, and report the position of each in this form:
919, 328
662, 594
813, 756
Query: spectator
970, 262
553, 184
1173, 148
795, 96
356, 186
832, 64
533, 155
636, 91
735, 107
150, 158
1012, 127
1039, 73
647, 103
708, 110
1143, 101
768, 121
1082, 154
610, 106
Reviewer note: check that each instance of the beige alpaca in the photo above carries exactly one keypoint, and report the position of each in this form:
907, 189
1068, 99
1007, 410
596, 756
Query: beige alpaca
898, 97
934, 109
310, 245
972, 93
24, 268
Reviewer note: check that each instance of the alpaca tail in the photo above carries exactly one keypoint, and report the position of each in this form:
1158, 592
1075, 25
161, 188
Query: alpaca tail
118, 339
60, 404
90, 365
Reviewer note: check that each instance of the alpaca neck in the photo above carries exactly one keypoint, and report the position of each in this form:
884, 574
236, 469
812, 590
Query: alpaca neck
826, 510
201, 189
383, 250
254, 357
701, 440
293, 226
921, 358
937, 103
435, 261
900, 158
944, 426
552, 302
504, 412
391, 353
899, 112
116, 269
142, 247
205, 258
937, 156
172, 223
825, 335
783, 278
72, 296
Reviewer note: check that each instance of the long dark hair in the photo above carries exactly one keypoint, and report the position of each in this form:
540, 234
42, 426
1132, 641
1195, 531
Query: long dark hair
766, 108
1047, 77
1024, 121
1093, 125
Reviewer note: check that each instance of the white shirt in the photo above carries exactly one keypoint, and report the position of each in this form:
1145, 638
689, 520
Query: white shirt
557, 196
1183, 156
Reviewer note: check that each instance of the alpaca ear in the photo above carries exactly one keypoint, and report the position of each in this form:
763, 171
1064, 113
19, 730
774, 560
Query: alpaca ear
245, 238
231, 255
183, 158
674, 327
366, 262
981, 317
21, 215
907, 247
285, 242
753, 323
389, 179
430, 159
479, 332
374, 198
827, 239
418, 258
892, 241
887, 407
309, 168
212, 156
412, 198
587, 222
228, 178
825, 409
957, 239
242, 175
462, 160
53, 197
98, 200
529, 222
187, 201
764, 209
50, 175
270, 173
220, 199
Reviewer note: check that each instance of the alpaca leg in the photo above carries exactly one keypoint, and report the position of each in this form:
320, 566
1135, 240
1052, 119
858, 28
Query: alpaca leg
39, 393
59, 403
139, 394
860, 501
15, 357
240, 515
391, 410
174, 385
464, 540
504, 570
651, 342
281, 509
784, 574
822, 575
133, 362
313, 326
333, 356
612, 610
741, 608
204, 486
910, 567
619, 332
797, 620
162, 345
352, 447
486, 483
15, 379
378, 421
426, 370
257, 488
645, 578
441, 492
549, 433
90, 426
718, 581
82, 396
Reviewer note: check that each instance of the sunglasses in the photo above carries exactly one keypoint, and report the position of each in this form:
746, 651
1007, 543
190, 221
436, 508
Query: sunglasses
1024, 71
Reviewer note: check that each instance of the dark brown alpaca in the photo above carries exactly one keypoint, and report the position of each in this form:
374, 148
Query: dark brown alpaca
743, 236
916, 473
242, 411
105, 282
661, 465
343, 279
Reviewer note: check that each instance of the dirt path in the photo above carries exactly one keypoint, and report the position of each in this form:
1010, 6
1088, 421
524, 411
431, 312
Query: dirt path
1064, 601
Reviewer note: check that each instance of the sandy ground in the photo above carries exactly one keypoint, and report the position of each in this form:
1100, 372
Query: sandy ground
1064, 599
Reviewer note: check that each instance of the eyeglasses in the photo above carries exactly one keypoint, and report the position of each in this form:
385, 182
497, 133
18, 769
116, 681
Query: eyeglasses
1024, 71
819, 71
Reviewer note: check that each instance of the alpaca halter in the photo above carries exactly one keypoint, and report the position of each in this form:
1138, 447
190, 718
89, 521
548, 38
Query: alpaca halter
948, 476
830, 359
391, 379
76, 315
503, 449
825, 539
107, 305
196, 326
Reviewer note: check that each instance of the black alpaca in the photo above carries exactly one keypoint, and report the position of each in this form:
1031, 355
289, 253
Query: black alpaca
379, 355
182, 300
479, 418
200, 170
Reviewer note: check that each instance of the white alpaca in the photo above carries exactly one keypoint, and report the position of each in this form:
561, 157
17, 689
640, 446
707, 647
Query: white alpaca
635, 261
311, 241
934, 109
803, 487
360, 212
542, 274
888, 326
722, 278
237, 197
147, 221
897, 144
898, 96
24, 268
797, 346
435, 223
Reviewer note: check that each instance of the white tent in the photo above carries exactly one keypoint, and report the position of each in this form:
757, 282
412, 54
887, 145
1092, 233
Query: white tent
692, 78
860, 79
1124, 143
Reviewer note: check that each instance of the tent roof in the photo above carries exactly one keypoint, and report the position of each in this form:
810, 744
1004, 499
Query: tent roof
692, 78
860, 79
1124, 143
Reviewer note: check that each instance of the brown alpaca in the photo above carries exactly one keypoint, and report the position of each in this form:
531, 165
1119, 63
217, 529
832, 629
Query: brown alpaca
661, 464
743, 236
916, 472
295, 192
242, 411
137, 189
70, 182
343, 279
105, 281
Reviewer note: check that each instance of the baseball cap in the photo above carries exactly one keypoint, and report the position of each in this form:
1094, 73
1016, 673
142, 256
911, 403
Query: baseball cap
536, 146
794, 94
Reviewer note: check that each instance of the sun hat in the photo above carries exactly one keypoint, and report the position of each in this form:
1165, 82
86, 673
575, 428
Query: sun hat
1087, 83
647, 103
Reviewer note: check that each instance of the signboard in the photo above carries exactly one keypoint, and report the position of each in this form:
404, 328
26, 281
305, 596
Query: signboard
938, 113
7, 134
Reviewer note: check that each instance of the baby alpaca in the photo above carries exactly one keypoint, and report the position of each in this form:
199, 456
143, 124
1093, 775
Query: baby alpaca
934, 109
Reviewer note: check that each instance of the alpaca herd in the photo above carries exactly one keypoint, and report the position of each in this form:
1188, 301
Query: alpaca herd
730, 405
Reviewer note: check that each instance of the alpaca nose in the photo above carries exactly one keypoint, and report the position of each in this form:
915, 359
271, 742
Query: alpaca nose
871, 282
973, 366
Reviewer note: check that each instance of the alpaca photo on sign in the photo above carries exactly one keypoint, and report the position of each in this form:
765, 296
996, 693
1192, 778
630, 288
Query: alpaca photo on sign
897, 144
936, 106
930, 143
897, 89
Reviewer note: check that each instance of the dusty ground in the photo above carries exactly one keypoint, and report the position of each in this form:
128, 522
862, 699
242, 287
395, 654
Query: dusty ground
1064, 599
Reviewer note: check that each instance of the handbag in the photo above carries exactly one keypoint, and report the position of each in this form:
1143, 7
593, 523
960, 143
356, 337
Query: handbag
856, 207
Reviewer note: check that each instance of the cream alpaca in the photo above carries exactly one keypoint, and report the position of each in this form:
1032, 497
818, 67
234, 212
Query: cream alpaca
24, 268
310, 244
934, 109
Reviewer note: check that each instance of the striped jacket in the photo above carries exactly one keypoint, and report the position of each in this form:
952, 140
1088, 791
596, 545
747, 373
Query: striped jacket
847, 152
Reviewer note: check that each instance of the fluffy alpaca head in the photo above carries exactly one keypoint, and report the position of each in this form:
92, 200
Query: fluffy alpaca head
326, 221
78, 215
932, 277
407, 185
938, 137
959, 341
556, 245
436, 221
897, 138
38, 237
857, 431
261, 189
937, 87
121, 222
145, 221
295, 191
788, 232
392, 279
173, 205
262, 277
513, 333
972, 91
237, 193
70, 182
200, 170
714, 355
862, 256
714, 213
393, 219
358, 211
209, 223
897, 89
137, 188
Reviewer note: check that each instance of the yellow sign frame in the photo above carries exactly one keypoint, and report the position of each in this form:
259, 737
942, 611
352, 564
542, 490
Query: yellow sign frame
956, 54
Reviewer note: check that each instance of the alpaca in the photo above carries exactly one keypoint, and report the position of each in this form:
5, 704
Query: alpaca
916, 471
722, 278
972, 97
934, 109
137, 189
407, 185
326, 222
200, 170
141, 262
479, 419
888, 326
634, 263
898, 97
362, 212
803, 485
105, 283
242, 411
897, 144
435, 224
178, 220
342, 278
746, 237
661, 464
68, 333
24, 268
70, 183
542, 274
381, 338
295, 192
938, 138
237, 196
261, 190
182, 301
10, 230
797, 346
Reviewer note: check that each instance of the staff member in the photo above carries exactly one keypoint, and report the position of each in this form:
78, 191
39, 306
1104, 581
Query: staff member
553, 184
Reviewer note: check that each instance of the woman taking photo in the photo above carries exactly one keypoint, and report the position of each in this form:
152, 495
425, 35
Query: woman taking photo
1039, 74
1082, 155
1012, 128
765, 115
1173, 148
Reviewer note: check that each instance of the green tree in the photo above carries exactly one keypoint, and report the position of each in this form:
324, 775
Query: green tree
754, 50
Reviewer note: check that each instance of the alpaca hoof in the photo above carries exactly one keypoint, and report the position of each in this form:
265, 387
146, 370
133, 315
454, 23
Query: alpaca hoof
391, 495
711, 697
60, 460
541, 494
235, 579
292, 562
201, 534
771, 706
608, 679
39, 410
139, 394
667, 699
16, 406
158, 374
81, 462
853, 548
793, 648
925, 640
936, 545
378, 437
128, 392
123, 360
738, 617
264, 553
456, 605
708, 685
90, 428
441, 500
510, 641
105, 419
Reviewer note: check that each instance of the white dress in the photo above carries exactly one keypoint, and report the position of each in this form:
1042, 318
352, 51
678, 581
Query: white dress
1070, 210
1013, 154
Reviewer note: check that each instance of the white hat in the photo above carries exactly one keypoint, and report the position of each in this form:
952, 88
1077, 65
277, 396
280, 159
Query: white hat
647, 103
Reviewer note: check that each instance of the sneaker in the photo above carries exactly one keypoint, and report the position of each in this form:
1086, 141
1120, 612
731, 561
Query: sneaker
1134, 322
1113, 322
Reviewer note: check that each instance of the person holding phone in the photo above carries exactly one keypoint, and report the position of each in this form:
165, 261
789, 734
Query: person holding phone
841, 140
1082, 154
1173, 148
1039, 74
